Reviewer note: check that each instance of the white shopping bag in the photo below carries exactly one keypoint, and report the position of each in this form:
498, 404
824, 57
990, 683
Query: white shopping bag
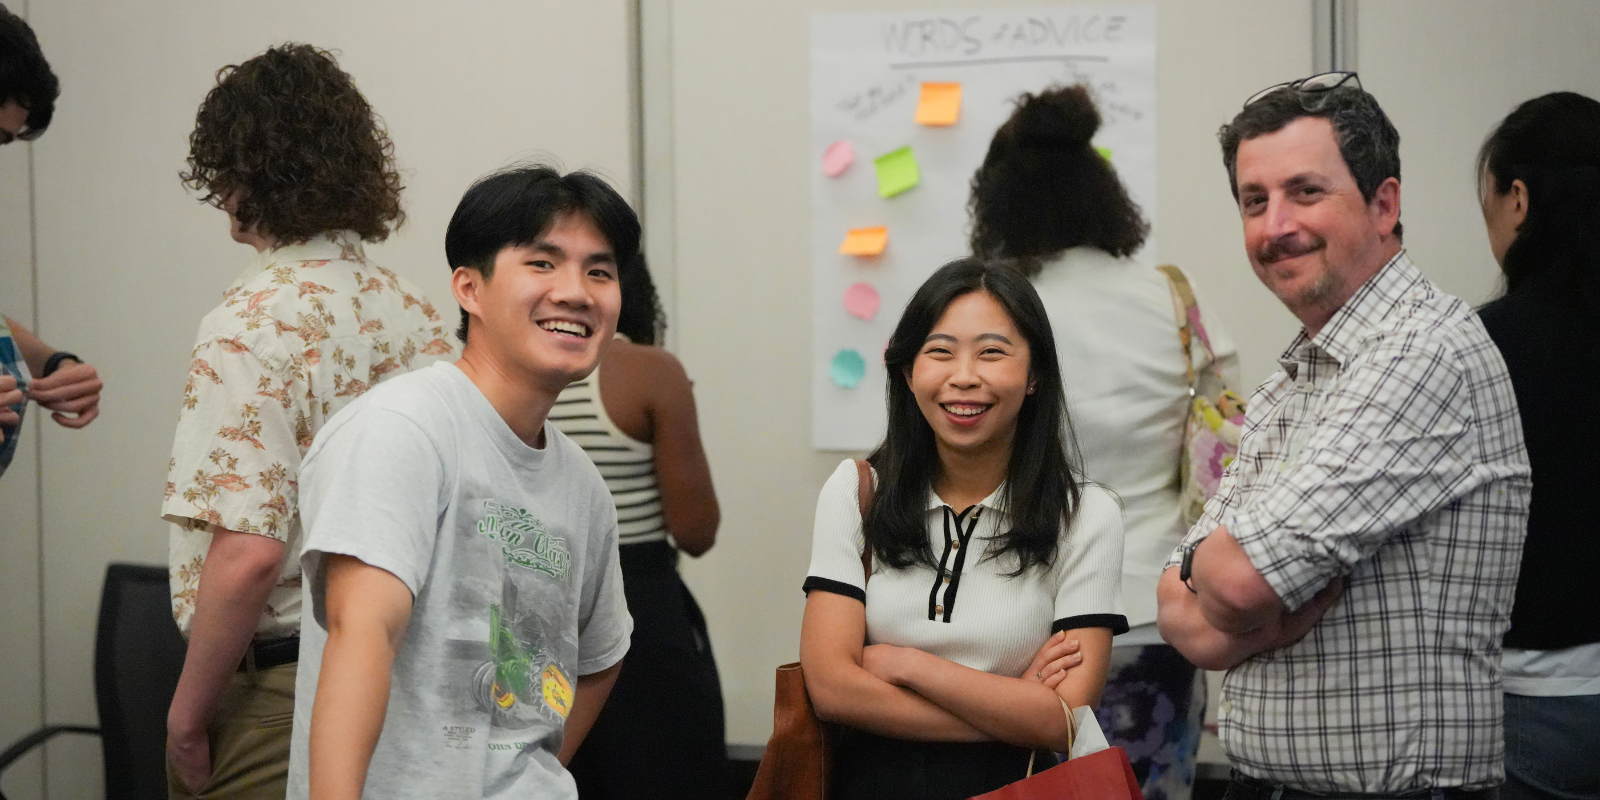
1089, 739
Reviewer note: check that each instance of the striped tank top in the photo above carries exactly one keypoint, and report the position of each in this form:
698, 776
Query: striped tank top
628, 465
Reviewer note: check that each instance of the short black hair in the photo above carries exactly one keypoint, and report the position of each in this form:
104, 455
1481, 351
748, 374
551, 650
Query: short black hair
1368, 141
1043, 188
517, 205
24, 74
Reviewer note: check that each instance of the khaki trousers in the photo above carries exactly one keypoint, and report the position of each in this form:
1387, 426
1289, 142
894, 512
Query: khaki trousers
249, 739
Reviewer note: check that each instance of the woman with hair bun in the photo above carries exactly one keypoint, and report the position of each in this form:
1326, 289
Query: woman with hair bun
1046, 201
1539, 185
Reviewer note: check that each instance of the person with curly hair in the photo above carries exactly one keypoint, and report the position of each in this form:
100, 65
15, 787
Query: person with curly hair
29, 368
1047, 201
288, 147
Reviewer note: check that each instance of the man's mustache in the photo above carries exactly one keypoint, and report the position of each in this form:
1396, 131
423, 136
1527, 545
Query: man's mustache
1289, 247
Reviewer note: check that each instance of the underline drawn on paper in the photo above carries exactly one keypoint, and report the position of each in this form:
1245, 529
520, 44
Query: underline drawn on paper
983, 62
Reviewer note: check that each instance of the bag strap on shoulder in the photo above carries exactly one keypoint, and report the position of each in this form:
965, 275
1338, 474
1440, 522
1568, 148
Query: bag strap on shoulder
1190, 329
864, 491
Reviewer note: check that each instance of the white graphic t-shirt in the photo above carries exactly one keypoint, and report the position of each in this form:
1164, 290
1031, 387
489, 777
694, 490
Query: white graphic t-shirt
510, 554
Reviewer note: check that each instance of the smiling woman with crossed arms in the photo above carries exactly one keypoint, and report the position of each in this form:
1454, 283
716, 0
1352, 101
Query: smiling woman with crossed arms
991, 560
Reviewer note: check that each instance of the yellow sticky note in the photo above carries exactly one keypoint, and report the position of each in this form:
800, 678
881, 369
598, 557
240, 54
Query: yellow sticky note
865, 241
940, 104
897, 171
1105, 152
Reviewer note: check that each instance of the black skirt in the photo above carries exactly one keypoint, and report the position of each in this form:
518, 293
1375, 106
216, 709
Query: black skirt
872, 767
660, 734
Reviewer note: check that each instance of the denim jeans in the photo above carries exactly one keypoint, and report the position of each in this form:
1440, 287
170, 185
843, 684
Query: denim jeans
1552, 747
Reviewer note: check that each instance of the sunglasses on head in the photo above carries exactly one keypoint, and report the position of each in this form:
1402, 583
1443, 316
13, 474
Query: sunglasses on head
1308, 88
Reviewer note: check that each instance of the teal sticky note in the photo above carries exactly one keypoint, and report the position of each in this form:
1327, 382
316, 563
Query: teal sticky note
847, 369
897, 171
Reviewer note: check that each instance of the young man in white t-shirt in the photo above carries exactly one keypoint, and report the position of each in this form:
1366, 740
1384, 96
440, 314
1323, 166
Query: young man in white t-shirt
460, 553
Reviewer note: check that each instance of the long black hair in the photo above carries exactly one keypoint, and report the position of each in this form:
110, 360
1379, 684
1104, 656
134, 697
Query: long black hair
1551, 144
1043, 188
1041, 490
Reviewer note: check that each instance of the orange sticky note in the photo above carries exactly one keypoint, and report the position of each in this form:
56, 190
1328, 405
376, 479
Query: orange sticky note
865, 241
940, 104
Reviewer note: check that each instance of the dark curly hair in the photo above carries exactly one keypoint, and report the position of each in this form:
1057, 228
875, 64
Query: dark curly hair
24, 74
1042, 188
642, 319
290, 133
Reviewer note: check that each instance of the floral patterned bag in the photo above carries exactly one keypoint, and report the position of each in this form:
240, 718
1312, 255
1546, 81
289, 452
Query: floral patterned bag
1216, 413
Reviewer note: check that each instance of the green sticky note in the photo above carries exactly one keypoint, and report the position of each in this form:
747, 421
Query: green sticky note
847, 369
1105, 152
897, 171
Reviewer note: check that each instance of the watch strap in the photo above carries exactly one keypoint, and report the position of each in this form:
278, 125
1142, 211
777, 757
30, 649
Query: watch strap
53, 363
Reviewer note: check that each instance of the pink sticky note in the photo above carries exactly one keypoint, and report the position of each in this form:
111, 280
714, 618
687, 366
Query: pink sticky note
837, 158
861, 300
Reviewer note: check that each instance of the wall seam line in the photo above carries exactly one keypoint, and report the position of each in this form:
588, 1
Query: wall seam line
38, 461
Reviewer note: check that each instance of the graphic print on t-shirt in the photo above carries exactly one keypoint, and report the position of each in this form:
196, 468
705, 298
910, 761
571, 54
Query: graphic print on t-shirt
523, 683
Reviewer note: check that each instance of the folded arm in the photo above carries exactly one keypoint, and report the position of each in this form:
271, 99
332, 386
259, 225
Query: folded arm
831, 638
1015, 710
1184, 625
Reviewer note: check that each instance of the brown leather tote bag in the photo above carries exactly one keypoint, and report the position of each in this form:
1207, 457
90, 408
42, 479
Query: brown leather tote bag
798, 762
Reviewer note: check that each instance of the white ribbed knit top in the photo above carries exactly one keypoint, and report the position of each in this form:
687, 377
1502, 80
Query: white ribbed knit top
627, 464
967, 612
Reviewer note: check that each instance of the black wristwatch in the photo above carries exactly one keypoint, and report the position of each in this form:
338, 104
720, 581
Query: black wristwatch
53, 363
1186, 568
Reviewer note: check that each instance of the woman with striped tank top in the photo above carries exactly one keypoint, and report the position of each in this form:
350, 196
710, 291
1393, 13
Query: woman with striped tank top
661, 731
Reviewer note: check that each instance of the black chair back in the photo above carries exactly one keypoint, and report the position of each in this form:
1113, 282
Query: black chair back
138, 657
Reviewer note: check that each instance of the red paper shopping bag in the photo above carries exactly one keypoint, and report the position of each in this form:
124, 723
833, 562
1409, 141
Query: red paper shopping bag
1105, 775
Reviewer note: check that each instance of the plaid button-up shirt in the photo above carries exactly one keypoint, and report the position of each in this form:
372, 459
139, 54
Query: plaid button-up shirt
11, 363
1388, 449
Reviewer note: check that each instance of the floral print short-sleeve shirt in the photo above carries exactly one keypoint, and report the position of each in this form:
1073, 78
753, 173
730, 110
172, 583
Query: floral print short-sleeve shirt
300, 333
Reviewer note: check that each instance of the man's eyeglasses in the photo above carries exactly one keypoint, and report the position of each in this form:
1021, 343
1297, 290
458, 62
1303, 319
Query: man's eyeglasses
1308, 88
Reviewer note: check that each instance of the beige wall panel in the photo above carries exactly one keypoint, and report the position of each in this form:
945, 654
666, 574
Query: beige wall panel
19, 500
740, 73
1446, 72
129, 262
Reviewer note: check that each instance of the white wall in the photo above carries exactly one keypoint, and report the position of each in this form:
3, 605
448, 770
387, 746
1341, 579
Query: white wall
129, 262
19, 508
1446, 71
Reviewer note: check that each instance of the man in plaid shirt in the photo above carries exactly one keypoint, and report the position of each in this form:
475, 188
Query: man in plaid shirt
1355, 571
